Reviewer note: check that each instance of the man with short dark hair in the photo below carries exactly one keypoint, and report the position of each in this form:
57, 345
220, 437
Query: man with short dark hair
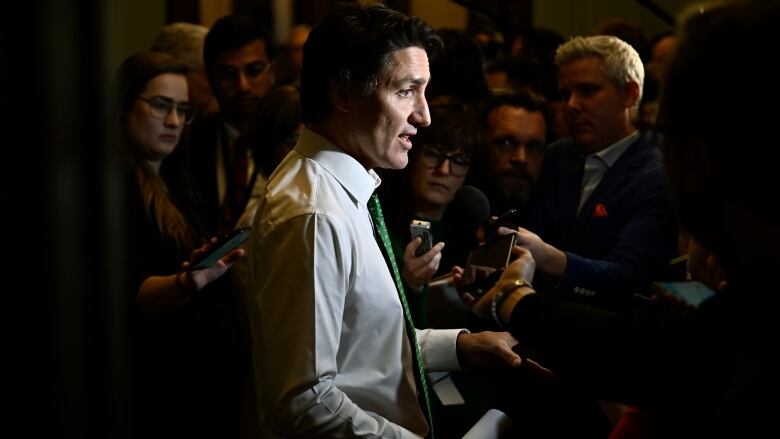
334, 350
515, 129
238, 58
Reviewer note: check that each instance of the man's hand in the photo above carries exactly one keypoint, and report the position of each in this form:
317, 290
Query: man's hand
418, 270
522, 267
487, 349
549, 260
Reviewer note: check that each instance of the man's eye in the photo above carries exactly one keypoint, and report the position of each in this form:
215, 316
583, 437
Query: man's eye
254, 71
505, 143
405, 93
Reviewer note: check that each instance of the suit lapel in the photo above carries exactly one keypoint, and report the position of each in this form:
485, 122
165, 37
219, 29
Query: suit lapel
569, 191
614, 179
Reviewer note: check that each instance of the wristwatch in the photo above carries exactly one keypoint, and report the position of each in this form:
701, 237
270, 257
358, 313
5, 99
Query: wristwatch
506, 290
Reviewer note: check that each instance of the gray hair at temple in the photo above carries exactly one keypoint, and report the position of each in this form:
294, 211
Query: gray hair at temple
184, 41
622, 63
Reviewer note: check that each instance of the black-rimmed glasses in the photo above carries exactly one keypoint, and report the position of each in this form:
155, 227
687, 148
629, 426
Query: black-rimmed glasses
161, 107
433, 158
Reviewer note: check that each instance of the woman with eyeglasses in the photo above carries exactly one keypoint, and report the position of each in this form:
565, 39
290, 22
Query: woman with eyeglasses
185, 343
438, 164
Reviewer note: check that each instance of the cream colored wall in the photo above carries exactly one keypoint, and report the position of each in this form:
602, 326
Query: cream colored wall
577, 17
132, 24
212, 10
440, 13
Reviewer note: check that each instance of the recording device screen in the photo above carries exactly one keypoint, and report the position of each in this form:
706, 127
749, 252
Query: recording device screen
692, 292
225, 245
486, 263
493, 254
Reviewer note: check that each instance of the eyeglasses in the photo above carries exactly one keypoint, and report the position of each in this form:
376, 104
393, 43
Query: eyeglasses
433, 158
506, 146
252, 72
161, 107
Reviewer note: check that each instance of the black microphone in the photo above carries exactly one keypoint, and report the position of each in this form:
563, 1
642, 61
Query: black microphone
470, 206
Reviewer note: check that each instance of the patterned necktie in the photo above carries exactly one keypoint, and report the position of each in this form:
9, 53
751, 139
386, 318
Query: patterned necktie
379, 221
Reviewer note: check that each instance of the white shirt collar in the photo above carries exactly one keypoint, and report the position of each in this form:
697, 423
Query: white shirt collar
612, 153
345, 169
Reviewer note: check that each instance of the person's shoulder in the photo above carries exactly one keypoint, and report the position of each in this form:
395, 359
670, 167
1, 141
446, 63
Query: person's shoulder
563, 154
561, 146
301, 185
648, 157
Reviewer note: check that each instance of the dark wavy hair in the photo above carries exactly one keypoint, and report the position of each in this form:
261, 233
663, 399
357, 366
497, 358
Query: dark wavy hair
354, 46
233, 32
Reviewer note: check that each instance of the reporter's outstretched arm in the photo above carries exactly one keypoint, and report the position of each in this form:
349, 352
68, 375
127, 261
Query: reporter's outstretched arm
161, 294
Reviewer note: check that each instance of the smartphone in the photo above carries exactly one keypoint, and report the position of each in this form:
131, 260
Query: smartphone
225, 245
507, 219
494, 254
693, 292
423, 230
486, 263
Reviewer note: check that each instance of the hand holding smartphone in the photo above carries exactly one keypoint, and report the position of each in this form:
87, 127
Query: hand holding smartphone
486, 263
423, 230
225, 245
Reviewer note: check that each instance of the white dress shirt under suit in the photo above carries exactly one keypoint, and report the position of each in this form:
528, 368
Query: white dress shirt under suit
330, 353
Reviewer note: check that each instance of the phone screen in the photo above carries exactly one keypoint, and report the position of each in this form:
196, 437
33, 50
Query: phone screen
230, 243
486, 263
494, 254
693, 292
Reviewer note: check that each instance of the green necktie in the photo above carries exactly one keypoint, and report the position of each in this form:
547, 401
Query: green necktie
379, 222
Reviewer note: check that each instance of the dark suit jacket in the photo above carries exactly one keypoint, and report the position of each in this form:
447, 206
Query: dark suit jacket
624, 235
205, 137
203, 146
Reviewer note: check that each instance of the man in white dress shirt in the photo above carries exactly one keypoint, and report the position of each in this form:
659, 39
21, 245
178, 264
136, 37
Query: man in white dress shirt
331, 354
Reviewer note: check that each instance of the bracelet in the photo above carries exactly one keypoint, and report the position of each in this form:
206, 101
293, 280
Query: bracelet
499, 298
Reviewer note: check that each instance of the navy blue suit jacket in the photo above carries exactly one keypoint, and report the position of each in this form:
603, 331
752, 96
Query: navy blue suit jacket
624, 235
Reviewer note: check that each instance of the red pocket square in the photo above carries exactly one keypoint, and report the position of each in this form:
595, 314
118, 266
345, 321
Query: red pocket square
600, 211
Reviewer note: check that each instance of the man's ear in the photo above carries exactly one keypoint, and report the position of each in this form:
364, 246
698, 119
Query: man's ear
340, 95
632, 94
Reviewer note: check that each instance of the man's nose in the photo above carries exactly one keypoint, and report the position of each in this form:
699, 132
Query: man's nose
243, 82
421, 116
572, 102
519, 155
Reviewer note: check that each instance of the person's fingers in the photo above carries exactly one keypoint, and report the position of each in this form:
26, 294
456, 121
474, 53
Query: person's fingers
233, 256
468, 299
510, 357
412, 246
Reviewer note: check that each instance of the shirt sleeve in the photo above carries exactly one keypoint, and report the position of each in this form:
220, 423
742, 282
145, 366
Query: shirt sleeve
301, 279
439, 348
